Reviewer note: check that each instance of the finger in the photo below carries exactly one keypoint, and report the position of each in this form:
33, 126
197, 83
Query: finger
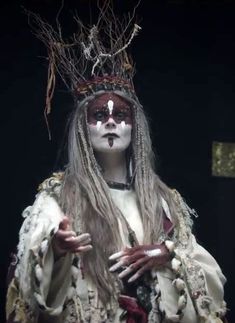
116, 266
142, 253
125, 252
85, 242
83, 237
125, 272
75, 243
133, 267
68, 242
140, 272
117, 255
71, 236
133, 250
67, 246
83, 248
62, 235
80, 238
136, 256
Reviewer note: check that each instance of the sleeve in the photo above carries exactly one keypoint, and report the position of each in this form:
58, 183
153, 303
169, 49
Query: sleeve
192, 286
205, 281
43, 284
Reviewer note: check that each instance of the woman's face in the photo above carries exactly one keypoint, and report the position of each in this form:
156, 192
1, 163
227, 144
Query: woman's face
109, 119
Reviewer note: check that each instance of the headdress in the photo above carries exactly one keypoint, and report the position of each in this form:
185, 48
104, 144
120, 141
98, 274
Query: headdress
94, 58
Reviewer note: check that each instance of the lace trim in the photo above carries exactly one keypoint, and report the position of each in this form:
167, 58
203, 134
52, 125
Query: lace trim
52, 184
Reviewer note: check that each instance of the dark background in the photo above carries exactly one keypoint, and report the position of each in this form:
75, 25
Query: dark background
185, 79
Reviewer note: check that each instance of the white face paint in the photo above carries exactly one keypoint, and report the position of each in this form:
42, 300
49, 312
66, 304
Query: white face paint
109, 123
110, 136
98, 124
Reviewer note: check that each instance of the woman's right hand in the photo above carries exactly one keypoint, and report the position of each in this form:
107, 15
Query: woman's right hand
66, 240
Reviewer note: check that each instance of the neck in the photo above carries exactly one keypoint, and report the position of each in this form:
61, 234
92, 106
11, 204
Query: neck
113, 166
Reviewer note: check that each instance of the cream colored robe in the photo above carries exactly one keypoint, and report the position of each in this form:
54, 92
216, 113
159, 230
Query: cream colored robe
47, 291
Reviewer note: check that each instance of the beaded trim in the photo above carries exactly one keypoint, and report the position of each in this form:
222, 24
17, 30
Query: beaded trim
108, 82
178, 283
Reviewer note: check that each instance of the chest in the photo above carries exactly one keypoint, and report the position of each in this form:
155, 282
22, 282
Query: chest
126, 201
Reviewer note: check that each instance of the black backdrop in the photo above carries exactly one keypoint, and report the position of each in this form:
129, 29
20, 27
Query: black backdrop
185, 79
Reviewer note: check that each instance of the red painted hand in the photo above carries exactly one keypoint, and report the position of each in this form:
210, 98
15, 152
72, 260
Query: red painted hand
140, 259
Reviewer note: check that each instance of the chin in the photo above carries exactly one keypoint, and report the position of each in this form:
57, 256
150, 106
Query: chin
114, 149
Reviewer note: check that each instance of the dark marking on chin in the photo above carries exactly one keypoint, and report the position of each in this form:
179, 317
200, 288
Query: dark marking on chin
110, 141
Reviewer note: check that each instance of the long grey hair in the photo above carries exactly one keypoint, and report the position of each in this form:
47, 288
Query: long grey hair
86, 199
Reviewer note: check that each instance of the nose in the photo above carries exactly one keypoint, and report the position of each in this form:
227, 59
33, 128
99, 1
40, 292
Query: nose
110, 124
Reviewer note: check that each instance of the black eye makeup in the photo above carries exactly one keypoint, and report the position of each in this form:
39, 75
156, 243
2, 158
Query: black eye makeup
100, 115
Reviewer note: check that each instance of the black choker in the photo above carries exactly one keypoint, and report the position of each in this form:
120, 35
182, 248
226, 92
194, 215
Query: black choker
119, 186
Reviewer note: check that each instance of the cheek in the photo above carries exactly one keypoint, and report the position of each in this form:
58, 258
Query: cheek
94, 132
125, 128
95, 129
125, 131
129, 133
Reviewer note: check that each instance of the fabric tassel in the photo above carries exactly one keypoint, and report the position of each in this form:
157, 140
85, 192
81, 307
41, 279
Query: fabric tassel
44, 246
176, 264
170, 245
179, 284
38, 272
182, 302
157, 289
39, 299
71, 292
75, 272
161, 307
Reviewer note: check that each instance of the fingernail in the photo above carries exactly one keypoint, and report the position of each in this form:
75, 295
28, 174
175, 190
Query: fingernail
114, 267
116, 255
130, 280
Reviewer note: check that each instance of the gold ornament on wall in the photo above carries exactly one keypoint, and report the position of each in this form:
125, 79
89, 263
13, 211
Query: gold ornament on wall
223, 159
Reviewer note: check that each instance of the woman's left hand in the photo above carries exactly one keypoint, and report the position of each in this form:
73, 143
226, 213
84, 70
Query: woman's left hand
140, 259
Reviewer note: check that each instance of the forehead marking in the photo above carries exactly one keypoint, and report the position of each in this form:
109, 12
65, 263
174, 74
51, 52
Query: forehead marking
110, 106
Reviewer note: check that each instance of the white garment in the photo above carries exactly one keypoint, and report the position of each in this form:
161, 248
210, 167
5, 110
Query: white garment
55, 285
126, 201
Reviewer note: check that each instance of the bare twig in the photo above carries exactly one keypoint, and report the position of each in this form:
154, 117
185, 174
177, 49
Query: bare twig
91, 51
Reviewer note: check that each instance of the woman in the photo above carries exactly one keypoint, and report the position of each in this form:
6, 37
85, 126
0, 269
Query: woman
107, 240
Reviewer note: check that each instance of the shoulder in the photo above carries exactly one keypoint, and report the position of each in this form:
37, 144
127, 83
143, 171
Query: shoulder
182, 206
44, 214
184, 218
46, 202
52, 184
